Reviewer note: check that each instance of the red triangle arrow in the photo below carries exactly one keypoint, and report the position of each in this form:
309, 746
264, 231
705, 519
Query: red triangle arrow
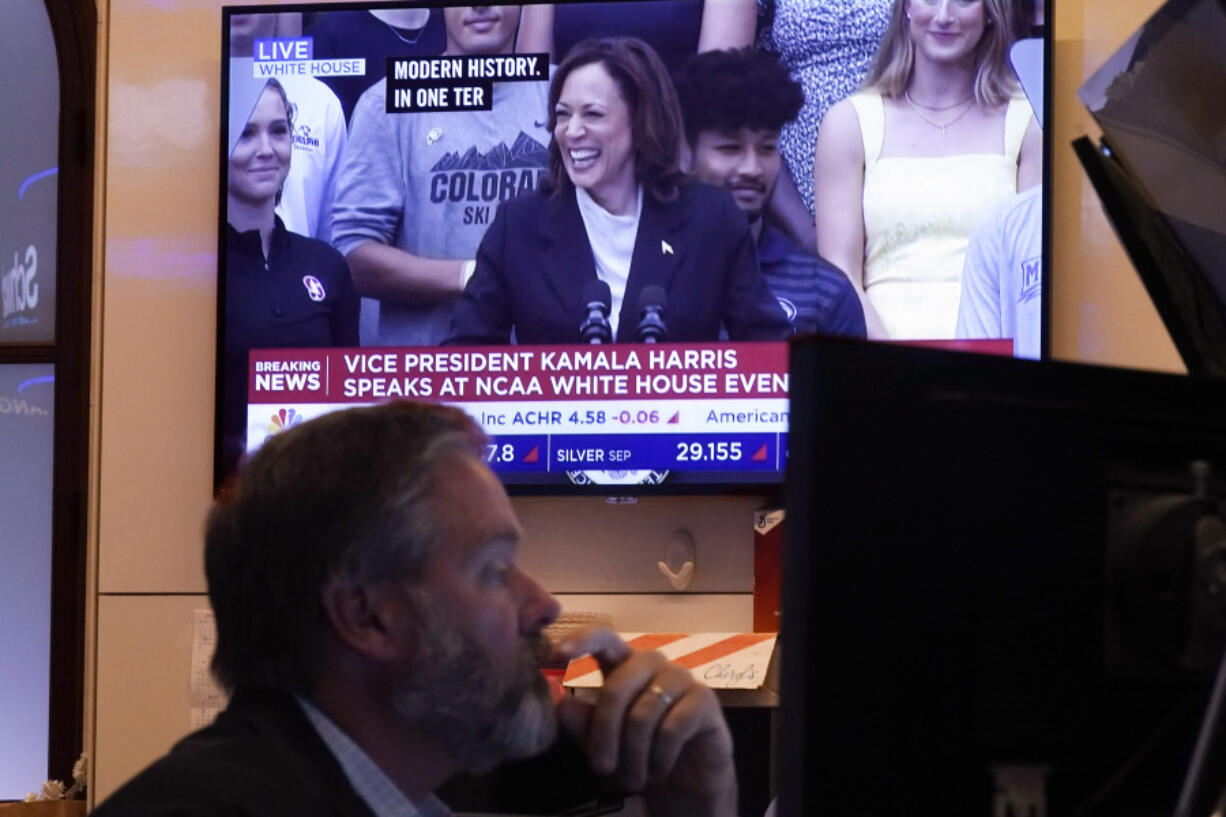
676, 418
534, 454
760, 454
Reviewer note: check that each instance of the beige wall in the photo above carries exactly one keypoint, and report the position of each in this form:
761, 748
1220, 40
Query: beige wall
1100, 312
159, 79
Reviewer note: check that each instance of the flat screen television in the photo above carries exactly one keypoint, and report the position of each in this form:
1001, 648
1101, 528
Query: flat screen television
409, 140
998, 570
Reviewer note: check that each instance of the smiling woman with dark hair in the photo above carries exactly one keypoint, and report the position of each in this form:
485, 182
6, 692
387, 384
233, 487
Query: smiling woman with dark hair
621, 211
626, 78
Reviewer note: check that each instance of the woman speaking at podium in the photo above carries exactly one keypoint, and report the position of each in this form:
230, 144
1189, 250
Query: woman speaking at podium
619, 210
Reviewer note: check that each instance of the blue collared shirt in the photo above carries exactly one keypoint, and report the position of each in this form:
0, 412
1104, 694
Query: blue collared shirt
372, 785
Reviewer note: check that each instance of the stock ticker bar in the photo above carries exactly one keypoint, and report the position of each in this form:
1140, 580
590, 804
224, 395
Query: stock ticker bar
693, 407
681, 452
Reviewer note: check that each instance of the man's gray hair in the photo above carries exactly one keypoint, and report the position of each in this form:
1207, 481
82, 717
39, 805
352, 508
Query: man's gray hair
349, 494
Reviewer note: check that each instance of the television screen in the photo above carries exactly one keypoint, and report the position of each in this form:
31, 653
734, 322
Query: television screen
594, 226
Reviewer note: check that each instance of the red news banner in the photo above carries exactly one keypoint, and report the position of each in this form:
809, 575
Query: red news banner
519, 373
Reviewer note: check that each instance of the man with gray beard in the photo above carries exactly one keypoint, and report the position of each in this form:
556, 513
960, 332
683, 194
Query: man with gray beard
377, 637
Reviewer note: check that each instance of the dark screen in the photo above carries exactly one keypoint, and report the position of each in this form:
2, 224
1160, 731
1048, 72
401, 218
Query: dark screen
956, 596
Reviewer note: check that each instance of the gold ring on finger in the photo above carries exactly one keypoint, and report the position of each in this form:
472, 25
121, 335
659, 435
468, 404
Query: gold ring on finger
663, 694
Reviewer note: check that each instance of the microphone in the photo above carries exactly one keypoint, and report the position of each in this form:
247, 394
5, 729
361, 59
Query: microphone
653, 301
595, 325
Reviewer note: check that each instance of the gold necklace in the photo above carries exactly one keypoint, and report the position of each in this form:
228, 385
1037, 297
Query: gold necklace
943, 127
934, 108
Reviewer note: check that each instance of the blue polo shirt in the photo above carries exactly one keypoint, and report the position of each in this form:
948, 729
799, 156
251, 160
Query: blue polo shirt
815, 295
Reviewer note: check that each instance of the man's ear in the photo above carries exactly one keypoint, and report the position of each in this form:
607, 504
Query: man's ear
374, 620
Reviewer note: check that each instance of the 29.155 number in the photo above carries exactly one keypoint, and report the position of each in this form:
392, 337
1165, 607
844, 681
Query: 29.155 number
709, 452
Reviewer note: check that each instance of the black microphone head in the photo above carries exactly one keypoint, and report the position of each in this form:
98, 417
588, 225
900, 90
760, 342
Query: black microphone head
598, 291
653, 300
653, 295
597, 300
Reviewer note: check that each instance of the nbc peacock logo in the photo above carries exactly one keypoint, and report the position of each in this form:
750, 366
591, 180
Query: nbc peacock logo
282, 420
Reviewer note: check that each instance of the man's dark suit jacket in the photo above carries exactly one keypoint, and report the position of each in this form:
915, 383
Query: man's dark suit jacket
260, 757
263, 758
535, 261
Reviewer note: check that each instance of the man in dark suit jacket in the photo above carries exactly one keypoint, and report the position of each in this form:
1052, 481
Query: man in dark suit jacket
261, 756
377, 637
535, 262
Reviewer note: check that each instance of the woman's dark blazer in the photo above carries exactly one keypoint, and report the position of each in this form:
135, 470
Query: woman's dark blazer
535, 261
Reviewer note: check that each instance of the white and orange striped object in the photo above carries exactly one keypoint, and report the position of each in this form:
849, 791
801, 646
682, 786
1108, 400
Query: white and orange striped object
719, 660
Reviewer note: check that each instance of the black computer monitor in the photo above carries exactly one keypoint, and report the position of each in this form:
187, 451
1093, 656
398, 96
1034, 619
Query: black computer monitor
992, 562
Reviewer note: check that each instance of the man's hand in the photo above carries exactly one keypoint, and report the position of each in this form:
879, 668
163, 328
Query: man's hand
654, 728
391, 274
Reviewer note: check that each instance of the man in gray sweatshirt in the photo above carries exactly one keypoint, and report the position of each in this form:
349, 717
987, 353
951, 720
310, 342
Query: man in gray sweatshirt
418, 189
